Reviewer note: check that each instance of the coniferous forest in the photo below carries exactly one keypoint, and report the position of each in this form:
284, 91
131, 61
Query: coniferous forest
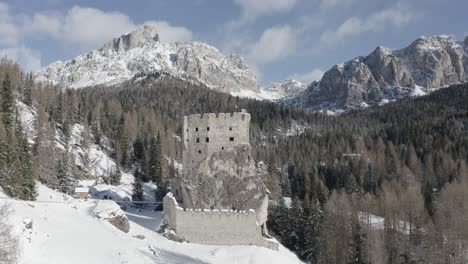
386, 184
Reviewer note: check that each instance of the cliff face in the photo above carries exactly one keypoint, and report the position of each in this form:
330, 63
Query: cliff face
225, 180
426, 64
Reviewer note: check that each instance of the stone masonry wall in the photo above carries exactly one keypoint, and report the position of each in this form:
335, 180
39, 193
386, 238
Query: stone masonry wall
215, 227
206, 134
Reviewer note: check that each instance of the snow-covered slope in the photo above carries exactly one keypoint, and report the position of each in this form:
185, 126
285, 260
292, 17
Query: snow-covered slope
140, 53
59, 229
427, 64
281, 89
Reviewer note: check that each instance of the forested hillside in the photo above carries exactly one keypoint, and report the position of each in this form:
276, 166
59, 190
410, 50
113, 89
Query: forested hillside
388, 183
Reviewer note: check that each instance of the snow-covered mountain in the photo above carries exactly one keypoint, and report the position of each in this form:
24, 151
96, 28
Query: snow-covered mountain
140, 53
282, 89
384, 75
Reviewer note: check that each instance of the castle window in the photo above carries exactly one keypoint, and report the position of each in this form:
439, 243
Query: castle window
230, 128
208, 129
222, 148
199, 152
207, 139
187, 129
196, 129
198, 140
231, 139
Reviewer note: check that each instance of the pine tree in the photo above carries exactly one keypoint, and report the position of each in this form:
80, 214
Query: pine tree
272, 180
312, 233
27, 91
154, 163
27, 184
115, 176
64, 175
8, 106
137, 193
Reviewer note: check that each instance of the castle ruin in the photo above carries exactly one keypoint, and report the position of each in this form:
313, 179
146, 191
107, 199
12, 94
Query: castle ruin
219, 198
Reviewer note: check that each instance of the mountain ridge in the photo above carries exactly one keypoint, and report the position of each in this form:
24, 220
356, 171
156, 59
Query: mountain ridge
427, 64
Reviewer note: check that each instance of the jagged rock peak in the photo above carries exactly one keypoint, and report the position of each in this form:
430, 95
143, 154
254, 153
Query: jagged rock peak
427, 64
137, 38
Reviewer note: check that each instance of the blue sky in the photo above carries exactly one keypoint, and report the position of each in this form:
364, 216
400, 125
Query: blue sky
279, 39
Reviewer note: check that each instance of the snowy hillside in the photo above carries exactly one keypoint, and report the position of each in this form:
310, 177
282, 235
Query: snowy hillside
140, 53
59, 229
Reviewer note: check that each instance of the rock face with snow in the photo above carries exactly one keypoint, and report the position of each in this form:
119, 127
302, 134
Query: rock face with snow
282, 89
140, 53
426, 64
109, 211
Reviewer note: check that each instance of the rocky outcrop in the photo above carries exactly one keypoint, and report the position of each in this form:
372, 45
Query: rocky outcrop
426, 64
140, 53
226, 180
110, 211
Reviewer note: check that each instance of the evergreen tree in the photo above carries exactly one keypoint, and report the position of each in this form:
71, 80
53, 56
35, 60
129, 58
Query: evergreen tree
155, 160
312, 233
63, 174
8, 106
115, 176
137, 192
272, 180
27, 184
27, 91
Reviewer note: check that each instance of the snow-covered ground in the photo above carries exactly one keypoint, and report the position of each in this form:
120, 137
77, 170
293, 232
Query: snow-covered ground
64, 231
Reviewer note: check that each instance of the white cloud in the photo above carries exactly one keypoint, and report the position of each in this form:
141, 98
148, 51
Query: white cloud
29, 59
253, 9
169, 33
79, 28
314, 75
275, 43
89, 27
396, 16
327, 4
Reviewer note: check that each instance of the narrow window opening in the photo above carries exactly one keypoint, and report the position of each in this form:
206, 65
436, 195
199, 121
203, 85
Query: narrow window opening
199, 152
198, 140
187, 129
230, 128
222, 148
231, 139
196, 129
207, 139
208, 129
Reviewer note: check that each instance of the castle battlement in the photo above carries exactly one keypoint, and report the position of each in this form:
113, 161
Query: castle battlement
208, 133
215, 227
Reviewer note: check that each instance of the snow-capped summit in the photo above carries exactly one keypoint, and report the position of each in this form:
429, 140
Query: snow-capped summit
428, 63
141, 52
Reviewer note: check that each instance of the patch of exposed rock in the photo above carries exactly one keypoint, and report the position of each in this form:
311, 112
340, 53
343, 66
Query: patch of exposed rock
110, 211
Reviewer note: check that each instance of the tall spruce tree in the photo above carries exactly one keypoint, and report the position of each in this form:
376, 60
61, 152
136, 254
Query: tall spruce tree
155, 160
25, 174
8, 106
137, 192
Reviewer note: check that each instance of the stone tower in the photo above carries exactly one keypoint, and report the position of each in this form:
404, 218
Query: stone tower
204, 135
219, 188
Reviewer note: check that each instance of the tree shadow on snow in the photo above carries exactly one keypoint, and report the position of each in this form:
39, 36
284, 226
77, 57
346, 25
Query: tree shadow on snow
164, 256
146, 218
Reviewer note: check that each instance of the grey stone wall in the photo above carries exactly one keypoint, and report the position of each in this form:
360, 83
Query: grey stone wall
215, 227
206, 134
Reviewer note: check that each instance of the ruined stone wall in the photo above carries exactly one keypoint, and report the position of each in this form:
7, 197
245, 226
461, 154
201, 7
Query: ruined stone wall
215, 227
206, 134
